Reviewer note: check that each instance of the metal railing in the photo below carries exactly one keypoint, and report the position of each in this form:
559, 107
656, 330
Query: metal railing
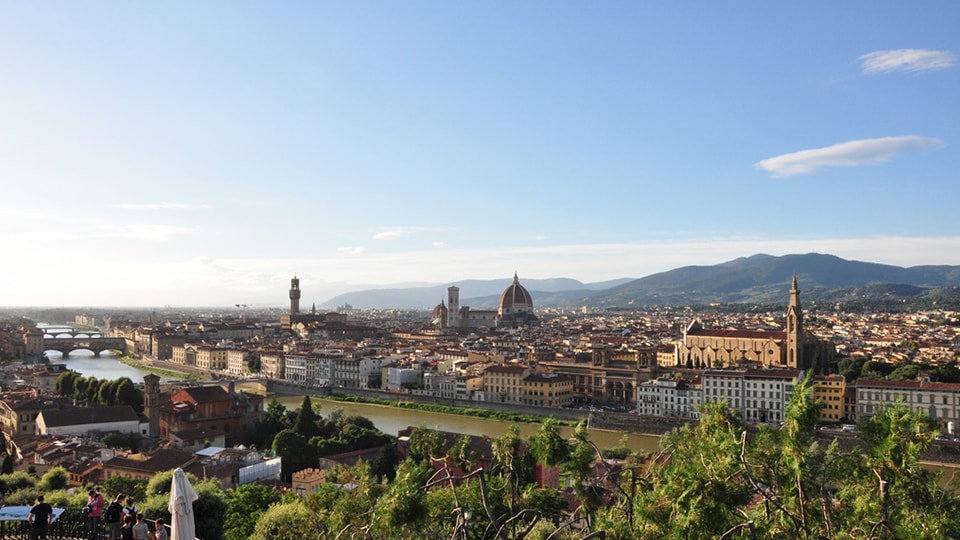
72, 524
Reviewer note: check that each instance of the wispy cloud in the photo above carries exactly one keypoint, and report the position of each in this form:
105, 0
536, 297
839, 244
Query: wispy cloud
352, 250
440, 245
395, 233
909, 60
161, 206
141, 231
847, 154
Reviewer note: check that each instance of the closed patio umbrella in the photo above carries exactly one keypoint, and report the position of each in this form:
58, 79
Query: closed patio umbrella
182, 495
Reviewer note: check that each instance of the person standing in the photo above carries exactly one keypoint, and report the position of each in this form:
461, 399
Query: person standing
130, 509
40, 519
113, 517
161, 531
95, 504
126, 530
141, 531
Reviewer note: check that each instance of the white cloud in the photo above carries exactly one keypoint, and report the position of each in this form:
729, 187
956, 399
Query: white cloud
352, 250
847, 154
141, 231
161, 206
440, 245
395, 233
909, 60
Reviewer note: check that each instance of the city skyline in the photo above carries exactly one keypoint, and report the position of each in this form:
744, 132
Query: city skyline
203, 154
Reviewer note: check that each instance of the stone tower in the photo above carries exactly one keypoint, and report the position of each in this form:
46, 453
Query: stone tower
294, 296
453, 306
795, 328
151, 402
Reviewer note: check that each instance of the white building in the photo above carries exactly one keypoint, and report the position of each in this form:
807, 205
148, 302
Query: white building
668, 397
761, 395
938, 399
397, 376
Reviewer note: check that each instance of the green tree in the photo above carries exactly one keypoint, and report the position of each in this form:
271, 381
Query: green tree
296, 451
127, 393
425, 444
245, 505
548, 445
209, 510
64, 385
107, 393
253, 362
306, 423
118, 483
286, 521
54, 479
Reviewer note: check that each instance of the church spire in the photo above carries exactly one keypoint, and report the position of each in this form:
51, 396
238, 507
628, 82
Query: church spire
795, 328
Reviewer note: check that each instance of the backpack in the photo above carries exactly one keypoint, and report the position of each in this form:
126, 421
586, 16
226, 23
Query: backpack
113, 513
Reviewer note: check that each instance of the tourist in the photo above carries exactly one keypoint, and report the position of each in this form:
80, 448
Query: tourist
126, 531
130, 509
141, 531
95, 506
113, 517
40, 519
161, 530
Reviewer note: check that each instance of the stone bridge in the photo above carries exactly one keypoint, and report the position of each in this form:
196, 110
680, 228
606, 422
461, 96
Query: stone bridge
96, 344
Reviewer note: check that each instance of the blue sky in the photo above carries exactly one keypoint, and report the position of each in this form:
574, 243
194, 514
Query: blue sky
203, 153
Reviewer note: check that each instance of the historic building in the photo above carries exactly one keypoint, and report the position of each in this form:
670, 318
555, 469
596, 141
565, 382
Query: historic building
669, 397
761, 395
514, 310
940, 400
792, 347
608, 374
830, 389
193, 416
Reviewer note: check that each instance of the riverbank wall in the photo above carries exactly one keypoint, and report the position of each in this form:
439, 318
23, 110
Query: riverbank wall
608, 420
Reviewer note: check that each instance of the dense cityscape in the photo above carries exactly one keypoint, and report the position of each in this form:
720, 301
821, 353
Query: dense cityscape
653, 371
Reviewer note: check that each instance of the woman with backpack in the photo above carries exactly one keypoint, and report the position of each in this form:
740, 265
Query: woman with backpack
113, 517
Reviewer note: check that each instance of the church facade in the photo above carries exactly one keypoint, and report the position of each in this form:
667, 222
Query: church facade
792, 347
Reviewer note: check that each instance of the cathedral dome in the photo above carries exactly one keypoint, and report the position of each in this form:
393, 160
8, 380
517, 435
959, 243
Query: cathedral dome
515, 297
440, 312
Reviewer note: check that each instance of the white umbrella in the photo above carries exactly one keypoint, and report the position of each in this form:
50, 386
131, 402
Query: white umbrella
182, 495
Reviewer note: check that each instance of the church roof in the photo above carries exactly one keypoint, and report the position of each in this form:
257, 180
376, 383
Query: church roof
89, 415
515, 295
740, 334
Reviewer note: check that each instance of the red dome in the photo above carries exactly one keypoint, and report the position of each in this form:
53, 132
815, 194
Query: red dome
515, 295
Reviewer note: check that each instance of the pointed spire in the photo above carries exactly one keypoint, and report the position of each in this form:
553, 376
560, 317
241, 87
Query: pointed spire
794, 287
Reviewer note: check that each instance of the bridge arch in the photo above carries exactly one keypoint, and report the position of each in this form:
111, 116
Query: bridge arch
96, 345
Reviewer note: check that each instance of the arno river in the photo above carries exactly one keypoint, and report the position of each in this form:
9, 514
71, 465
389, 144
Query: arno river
389, 420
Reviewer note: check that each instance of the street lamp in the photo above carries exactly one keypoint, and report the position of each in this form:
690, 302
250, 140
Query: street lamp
467, 515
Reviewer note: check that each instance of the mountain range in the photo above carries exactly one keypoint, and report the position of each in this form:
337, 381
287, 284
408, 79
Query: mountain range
758, 279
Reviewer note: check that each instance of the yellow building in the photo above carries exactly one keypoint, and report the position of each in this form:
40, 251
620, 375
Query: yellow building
504, 384
830, 389
307, 481
547, 390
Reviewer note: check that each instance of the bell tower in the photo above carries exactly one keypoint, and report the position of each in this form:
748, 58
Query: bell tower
294, 296
151, 402
795, 328
453, 306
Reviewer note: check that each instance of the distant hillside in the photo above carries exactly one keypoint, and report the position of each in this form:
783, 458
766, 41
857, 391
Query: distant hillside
476, 293
766, 279
759, 279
